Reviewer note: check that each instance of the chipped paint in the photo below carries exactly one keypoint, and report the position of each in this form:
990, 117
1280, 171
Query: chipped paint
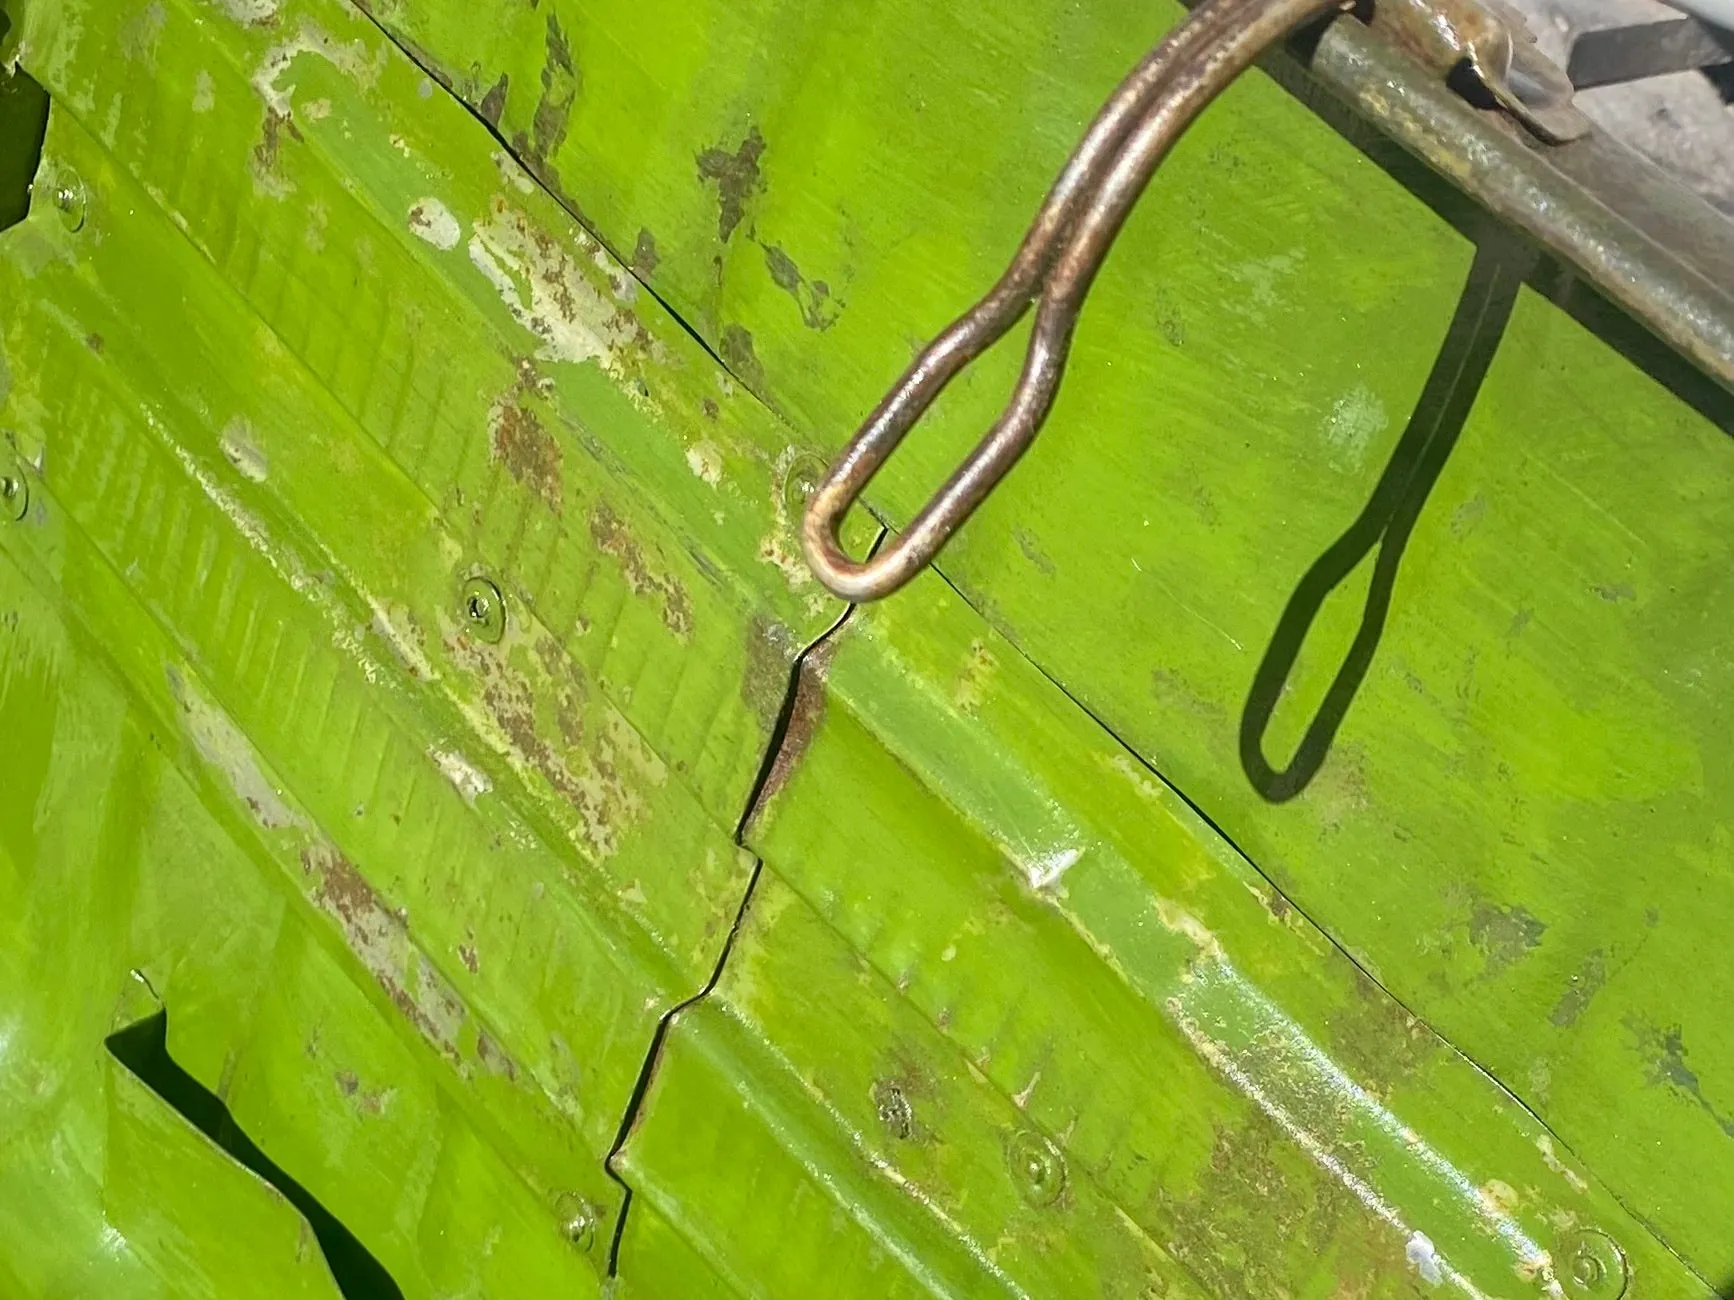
613, 537
349, 57
223, 746
547, 291
379, 937
704, 460
466, 778
432, 222
241, 451
1045, 872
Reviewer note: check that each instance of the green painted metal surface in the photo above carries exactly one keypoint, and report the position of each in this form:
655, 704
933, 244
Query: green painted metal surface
595, 948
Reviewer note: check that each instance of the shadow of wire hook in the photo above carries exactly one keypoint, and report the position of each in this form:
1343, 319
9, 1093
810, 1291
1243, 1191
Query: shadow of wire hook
1052, 270
1489, 294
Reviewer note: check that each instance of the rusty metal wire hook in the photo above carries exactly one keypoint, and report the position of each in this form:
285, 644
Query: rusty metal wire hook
1053, 270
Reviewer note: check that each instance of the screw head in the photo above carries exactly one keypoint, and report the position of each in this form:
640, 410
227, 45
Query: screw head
1037, 1167
69, 201
800, 481
1592, 1264
484, 610
14, 494
578, 1219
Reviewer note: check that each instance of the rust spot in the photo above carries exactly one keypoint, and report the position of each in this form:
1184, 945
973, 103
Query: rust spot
270, 146
94, 342
770, 654
807, 711
494, 1060
379, 938
736, 349
819, 311
494, 102
571, 689
588, 779
711, 410
467, 955
736, 177
613, 537
528, 451
1259, 1209
347, 1083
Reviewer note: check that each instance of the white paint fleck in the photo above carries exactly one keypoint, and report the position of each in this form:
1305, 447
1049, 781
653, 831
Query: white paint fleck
950, 953
1022, 1099
432, 221
1044, 872
706, 461
1424, 1259
468, 779
1356, 418
204, 92
242, 452
316, 110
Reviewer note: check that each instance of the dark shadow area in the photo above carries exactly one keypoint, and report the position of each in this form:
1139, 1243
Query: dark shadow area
23, 127
1501, 264
144, 1050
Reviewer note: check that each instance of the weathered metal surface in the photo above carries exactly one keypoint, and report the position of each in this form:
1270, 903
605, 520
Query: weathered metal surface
1100, 1054
1495, 830
308, 384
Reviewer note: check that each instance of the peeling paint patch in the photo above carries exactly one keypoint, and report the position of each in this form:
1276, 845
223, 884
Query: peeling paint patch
254, 13
1424, 1259
547, 291
704, 460
350, 58
432, 222
225, 747
466, 778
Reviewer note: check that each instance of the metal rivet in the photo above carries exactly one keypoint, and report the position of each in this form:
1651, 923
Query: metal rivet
1592, 1264
69, 201
1040, 1170
14, 495
484, 609
800, 481
577, 1220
